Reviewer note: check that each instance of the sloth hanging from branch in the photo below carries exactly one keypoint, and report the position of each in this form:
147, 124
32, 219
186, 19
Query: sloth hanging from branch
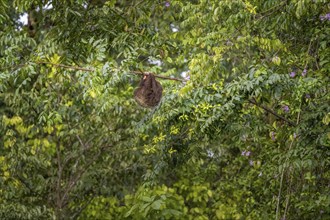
149, 92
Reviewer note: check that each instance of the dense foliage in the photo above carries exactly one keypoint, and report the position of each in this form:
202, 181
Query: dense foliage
242, 133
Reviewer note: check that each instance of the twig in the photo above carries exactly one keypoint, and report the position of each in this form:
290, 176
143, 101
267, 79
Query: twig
131, 72
282, 177
158, 76
74, 180
84, 206
287, 199
59, 180
67, 67
281, 183
92, 70
265, 13
85, 146
299, 113
272, 112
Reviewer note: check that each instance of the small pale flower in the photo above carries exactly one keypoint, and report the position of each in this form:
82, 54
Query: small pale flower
251, 162
286, 108
167, 4
292, 74
229, 43
308, 96
294, 135
246, 153
272, 134
304, 73
325, 17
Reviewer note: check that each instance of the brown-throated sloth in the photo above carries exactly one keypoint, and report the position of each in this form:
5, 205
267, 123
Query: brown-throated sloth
149, 92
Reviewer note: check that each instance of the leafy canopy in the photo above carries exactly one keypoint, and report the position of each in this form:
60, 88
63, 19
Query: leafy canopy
242, 134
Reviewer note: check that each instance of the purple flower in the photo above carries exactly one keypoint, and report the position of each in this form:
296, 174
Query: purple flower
286, 108
272, 134
304, 73
294, 135
167, 4
325, 17
308, 96
251, 162
292, 74
246, 153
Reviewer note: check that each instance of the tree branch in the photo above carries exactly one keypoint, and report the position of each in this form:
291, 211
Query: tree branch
253, 101
67, 67
59, 180
91, 70
158, 76
74, 180
77, 213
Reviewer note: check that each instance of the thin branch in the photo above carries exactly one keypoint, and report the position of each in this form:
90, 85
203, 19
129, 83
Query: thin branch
86, 146
158, 76
82, 143
272, 112
281, 181
92, 70
131, 72
59, 180
67, 67
84, 206
276, 7
13, 66
287, 199
299, 113
79, 174
282, 177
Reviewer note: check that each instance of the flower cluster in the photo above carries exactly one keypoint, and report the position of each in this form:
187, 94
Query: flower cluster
292, 74
325, 17
303, 74
246, 153
273, 135
286, 108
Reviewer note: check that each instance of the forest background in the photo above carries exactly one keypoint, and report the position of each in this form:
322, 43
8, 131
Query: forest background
242, 133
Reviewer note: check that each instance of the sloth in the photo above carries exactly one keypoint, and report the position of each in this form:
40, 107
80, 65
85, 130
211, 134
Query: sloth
149, 92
